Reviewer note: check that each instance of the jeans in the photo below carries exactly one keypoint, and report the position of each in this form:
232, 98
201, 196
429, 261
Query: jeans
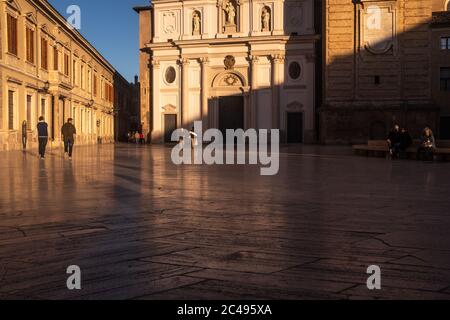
68, 146
395, 150
42, 145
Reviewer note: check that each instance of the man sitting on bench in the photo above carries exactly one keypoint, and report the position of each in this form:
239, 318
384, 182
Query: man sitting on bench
394, 141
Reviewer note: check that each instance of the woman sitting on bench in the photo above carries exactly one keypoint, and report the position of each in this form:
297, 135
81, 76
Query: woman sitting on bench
427, 146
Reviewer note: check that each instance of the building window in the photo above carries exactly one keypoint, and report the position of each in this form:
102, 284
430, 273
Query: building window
445, 79
44, 54
95, 85
29, 98
11, 110
30, 44
74, 72
82, 77
66, 64
89, 81
445, 128
12, 34
55, 58
445, 43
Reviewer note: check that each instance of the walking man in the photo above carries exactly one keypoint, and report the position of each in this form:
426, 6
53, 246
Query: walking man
24, 134
68, 132
42, 128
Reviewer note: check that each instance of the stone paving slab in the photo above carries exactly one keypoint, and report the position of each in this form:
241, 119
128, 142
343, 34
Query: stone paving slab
142, 228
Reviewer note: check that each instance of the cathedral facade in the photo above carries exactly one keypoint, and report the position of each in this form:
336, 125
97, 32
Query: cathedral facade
232, 64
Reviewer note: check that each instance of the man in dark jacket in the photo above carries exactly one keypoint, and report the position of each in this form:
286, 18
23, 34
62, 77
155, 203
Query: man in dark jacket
42, 129
394, 141
68, 132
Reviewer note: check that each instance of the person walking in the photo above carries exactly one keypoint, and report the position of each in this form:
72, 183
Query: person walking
24, 134
42, 129
68, 132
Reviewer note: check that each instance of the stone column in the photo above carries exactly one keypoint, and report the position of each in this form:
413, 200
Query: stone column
185, 93
277, 82
205, 89
155, 108
254, 92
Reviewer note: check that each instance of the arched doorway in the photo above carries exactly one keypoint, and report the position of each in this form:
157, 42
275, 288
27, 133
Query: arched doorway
229, 108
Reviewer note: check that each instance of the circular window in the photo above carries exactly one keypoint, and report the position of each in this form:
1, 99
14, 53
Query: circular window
295, 70
171, 75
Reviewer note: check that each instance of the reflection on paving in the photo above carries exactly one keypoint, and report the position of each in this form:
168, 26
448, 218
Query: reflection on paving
140, 227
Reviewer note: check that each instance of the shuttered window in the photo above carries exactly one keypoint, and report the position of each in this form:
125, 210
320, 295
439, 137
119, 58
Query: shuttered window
29, 112
30, 44
12, 34
95, 85
66, 64
44, 54
55, 59
11, 110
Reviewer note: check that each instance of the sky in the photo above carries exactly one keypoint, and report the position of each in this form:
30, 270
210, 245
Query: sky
112, 27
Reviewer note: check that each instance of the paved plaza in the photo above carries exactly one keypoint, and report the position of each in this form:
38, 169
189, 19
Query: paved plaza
140, 227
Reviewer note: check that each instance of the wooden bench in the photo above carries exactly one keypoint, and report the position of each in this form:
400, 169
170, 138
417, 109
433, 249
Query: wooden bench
379, 148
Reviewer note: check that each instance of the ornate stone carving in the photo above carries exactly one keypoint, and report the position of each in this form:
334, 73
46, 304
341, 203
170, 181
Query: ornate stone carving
378, 29
184, 62
229, 62
266, 19
196, 23
231, 80
204, 60
169, 22
230, 13
278, 58
294, 13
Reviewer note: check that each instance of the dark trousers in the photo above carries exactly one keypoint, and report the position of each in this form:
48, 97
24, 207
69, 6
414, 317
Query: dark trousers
425, 154
42, 146
68, 146
395, 150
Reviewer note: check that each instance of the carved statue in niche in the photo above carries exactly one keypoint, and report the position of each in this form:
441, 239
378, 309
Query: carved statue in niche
196, 23
266, 19
230, 13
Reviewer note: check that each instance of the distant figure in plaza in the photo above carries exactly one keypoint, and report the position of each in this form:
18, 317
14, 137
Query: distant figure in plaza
141, 138
137, 136
193, 137
68, 132
394, 141
427, 145
405, 140
42, 129
24, 134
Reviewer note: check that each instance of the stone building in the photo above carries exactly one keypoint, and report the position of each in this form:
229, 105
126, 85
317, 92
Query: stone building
48, 69
440, 63
230, 63
377, 68
127, 107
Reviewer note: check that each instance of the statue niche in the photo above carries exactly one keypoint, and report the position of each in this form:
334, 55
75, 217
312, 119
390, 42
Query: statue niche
196, 23
230, 16
266, 19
